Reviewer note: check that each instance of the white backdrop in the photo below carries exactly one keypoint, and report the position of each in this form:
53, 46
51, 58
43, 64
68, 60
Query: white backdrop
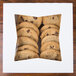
37, 65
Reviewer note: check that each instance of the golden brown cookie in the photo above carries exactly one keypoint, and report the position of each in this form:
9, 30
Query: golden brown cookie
27, 32
27, 47
48, 27
25, 54
50, 54
50, 38
52, 19
26, 41
35, 20
26, 25
51, 31
50, 45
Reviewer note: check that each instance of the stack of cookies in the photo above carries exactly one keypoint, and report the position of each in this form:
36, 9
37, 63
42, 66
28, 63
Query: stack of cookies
34, 44
50, 48
27, 37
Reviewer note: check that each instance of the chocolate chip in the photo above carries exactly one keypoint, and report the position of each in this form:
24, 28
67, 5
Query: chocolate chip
25, 48
19, 50
49, 27
47, 34
53, 34
31, 21
28, 31
22, 18
51, 46
29, 57
52, 17
56, 59
35, 18
25, 20
46, 55
18, 56
56, 33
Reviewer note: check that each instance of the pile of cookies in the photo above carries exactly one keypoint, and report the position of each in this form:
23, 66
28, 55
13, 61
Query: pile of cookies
35, 32
50, 48
27, 37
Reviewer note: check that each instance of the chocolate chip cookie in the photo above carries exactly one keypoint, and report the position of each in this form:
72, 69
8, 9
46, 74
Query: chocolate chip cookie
27, 47
35, 20
25, 54
52, 19
26, 25
50, 54
48, 27
26, 41
50, 31
27, 32
50, 45
50, 38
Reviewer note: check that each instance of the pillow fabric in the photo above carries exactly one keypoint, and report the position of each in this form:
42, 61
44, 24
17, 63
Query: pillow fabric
38, 37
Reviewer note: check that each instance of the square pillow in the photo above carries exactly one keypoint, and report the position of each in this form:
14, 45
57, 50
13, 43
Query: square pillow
38, 37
